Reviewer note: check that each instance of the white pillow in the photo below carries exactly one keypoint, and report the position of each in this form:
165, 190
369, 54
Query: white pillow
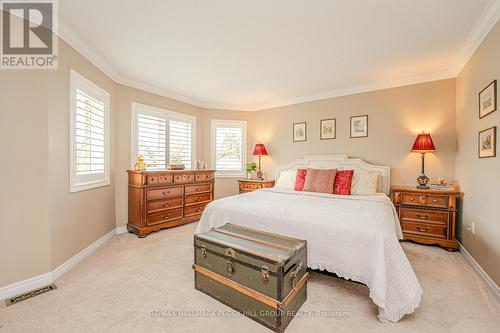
287, 180
364, 183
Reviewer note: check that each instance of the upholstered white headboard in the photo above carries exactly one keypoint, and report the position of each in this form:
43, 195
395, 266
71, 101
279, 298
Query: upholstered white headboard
340, 162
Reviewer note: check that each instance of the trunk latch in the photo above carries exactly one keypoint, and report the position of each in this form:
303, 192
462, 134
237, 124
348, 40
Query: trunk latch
203, 249
264, 271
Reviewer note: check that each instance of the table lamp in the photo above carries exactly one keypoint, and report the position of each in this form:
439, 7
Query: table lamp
423, 144
259, 150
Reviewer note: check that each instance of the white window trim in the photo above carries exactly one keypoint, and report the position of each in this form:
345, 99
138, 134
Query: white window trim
78, 80
170, 114
224, 173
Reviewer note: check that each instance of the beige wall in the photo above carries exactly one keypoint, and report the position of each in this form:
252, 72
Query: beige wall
479, 178
395, 117
24, 203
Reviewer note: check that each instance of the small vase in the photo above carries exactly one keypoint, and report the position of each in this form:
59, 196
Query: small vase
249, 176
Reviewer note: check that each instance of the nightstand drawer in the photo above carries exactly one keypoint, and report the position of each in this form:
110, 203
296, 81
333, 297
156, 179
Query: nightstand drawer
420, 229
250, 186
430, 200
424, 216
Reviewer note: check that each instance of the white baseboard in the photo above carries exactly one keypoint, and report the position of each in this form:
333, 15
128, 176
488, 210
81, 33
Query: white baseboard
480, 271
121, 230
50, 277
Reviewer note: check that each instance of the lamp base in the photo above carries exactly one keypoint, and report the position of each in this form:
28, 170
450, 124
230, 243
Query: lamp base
423, 187
422, 181
259, 175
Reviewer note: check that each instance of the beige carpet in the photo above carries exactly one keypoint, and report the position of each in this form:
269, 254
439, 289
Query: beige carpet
117, 288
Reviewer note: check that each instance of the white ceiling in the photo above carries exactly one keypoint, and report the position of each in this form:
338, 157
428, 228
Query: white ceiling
250, 55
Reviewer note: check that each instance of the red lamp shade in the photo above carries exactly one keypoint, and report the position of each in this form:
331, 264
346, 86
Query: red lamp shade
423, 144
259, 150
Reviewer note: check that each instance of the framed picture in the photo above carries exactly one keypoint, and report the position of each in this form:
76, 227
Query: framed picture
299, 132
488, 99
359, 126
488, 142
328, 129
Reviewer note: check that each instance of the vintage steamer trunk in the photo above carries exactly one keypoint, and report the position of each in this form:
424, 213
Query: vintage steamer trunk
262, 275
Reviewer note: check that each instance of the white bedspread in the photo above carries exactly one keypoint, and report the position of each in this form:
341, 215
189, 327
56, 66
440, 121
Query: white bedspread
355, 237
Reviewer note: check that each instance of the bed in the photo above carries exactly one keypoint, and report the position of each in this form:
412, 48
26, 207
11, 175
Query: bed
355, 237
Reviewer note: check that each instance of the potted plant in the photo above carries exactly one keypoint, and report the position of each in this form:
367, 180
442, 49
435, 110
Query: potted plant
251, 167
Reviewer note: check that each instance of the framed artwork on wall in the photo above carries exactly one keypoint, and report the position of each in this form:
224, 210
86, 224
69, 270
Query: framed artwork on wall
359, 126
488, 99
328, 129
488, 142
299, 132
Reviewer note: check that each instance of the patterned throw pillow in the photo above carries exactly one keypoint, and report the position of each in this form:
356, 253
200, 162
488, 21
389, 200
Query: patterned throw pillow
319, 180
300, 179
343, 180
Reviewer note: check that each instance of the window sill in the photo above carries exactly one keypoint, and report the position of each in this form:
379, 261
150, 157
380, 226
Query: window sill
88, 186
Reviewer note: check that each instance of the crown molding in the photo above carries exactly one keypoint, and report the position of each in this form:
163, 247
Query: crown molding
443, 75
483, 26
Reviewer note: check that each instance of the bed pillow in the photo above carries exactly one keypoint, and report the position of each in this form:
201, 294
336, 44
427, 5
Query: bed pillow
364, 183
286, 180
320, 180
300, 179
343, 180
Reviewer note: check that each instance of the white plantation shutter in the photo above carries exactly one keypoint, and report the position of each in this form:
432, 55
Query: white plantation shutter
180, 144
229, 147
89, 128
152, 140
162, 137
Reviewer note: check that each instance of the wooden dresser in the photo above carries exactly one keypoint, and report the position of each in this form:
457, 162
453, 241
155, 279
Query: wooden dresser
164, 199
249, 185
428, 216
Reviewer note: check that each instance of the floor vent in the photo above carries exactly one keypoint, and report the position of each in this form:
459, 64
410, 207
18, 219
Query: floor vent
30, 294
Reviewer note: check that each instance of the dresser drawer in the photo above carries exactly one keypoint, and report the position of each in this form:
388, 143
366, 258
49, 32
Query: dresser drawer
203, 176
195, 189
424, 216
164, 193
437, 201
184, 178
154, 206
250, 186
165, 216
194, 210
197, 199
421, 229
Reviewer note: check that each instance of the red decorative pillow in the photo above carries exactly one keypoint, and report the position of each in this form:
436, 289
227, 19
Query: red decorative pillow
320, 180
300, 179
343, 180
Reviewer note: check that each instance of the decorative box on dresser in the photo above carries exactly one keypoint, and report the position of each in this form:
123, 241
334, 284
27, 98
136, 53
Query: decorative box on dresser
249, 185
428, 216
164, 199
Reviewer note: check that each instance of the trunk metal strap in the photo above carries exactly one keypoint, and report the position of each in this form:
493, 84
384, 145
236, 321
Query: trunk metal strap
252, 293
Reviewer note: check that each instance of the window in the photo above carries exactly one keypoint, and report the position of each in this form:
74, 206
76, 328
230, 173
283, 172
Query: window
162, 137
89, 134
229, 139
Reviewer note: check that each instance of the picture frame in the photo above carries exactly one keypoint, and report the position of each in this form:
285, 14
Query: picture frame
487, 143
328, 129
300, 132
359, 126
488, 100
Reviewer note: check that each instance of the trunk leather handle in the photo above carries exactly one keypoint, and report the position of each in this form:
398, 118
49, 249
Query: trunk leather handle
264, 271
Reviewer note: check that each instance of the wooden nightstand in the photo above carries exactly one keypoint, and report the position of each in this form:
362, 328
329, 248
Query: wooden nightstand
427, 216
248, 185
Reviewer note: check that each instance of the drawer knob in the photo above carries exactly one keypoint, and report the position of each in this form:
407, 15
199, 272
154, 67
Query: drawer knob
423, 229
164, 216
435, 200
422, 216
198, 199
198, 210
165, 192
412, 198
166, 205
